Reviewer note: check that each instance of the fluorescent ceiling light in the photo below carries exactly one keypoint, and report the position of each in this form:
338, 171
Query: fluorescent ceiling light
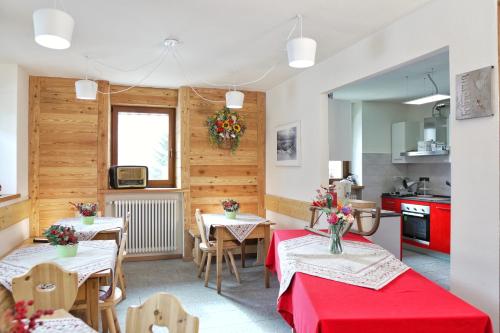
428, 99
234, 99
53, 28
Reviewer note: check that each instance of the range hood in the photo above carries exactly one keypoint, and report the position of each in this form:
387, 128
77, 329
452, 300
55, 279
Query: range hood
426, 153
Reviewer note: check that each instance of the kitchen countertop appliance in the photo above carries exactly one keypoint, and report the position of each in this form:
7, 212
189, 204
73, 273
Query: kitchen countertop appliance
416, 223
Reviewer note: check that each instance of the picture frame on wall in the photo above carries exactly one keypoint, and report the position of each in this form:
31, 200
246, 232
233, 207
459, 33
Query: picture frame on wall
288, 145
474, 94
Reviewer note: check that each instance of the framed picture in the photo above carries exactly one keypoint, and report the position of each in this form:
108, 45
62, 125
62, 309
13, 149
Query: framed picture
474, 94
288, 144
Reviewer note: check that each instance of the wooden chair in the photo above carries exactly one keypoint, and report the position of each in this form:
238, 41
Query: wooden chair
362, 214
163, 310
107, 306
122, 282
48, 285
209, 249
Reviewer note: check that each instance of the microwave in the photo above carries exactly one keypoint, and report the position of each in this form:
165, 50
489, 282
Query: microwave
128, 176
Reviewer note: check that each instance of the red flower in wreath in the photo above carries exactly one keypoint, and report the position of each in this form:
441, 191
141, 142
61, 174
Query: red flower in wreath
220, 130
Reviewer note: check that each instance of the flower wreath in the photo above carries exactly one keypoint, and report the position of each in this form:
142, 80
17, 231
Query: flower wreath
225, 128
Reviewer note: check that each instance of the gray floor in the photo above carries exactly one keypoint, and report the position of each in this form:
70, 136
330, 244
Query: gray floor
434, 267
247, 307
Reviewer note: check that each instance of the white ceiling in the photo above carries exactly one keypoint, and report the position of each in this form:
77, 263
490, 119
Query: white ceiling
394, 86
222, 40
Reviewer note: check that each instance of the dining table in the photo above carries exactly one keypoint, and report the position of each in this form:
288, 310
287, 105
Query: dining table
95, 261
103, 228
243, 227
410, 303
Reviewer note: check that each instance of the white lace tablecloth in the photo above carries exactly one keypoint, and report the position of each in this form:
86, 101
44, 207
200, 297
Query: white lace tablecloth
86, 232
73, 325
92, 257
240, 227
362, 264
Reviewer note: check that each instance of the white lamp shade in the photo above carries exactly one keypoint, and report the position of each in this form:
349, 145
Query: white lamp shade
53, 28
301, 52
234, 99
86, 89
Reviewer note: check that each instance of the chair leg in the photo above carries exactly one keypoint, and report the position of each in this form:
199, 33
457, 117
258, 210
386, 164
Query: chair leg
226, 259
104, 322
207, 270
234, 266
242, 248
110, 320
115, 320
202, 264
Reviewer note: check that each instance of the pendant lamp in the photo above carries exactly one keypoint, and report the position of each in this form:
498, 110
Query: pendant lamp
301, 50
53, 28
234, 99
86, 89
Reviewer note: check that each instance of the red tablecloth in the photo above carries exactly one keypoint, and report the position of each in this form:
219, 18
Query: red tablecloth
410, 304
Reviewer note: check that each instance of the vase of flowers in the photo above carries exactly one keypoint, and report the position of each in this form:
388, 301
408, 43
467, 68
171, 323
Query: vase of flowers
231, 208
87, 210
16, 320
337, 221
64, 239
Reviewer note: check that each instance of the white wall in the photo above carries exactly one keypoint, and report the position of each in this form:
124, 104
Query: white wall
357, 141
339, 130
469, 30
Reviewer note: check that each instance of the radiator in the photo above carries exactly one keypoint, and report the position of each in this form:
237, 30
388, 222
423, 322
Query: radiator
152, 225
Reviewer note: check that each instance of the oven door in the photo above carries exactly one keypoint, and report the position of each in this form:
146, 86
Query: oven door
416, 227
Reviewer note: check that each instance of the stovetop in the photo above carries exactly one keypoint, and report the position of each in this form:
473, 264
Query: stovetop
416, 197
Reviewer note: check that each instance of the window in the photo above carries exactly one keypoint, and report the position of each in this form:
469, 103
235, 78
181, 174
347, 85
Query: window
145, 136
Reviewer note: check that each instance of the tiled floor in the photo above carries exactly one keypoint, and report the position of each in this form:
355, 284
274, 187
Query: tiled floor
434, 267
248, 307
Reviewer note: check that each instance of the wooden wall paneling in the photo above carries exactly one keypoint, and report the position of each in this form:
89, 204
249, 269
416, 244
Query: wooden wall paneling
14, 213
294, 208
261, 151
144, 96
34, 153
103, 142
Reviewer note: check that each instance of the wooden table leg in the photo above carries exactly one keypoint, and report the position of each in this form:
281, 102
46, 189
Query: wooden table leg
267, 236
218, 261
92, 296
243, 253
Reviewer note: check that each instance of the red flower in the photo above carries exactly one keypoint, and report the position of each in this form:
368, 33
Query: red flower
220, 130
231, 121
218, 123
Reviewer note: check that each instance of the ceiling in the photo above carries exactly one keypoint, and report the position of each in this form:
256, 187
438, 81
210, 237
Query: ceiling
222, 40
393, 85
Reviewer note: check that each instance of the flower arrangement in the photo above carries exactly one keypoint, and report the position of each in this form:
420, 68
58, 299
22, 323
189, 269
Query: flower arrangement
15, 320
230, 205
86, 208
226, 127
325, 199
342, 215
61, 235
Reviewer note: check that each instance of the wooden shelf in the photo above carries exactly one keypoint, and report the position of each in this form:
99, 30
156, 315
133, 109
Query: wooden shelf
142, 190
7, 197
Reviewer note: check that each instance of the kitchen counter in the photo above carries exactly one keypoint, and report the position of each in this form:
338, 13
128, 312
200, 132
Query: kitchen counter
434, 199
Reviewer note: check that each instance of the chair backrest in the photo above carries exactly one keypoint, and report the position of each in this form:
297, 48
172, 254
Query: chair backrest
119, 258
362, 216
48, 285
163, 310
126, 222
201, 227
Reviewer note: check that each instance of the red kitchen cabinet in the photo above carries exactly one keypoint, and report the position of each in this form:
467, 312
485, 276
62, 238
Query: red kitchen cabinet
391, 204
440, 227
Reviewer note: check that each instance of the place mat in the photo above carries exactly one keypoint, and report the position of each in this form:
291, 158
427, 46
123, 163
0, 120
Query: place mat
240, 227
92, 257
86, 232
362, 264
73, 325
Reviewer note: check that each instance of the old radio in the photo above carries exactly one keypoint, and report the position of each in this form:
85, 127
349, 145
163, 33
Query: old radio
128, 176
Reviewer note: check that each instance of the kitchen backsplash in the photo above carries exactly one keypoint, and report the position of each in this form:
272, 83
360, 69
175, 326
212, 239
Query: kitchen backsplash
378, 173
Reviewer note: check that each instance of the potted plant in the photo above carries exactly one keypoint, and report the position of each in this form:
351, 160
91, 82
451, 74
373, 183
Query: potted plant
64, 239
15, 320
230, 207
87, 210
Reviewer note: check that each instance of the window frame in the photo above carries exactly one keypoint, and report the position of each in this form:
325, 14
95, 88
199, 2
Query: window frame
116, 109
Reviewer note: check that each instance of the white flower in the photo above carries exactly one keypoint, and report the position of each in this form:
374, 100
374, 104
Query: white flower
233, 118
221, 134
233, 136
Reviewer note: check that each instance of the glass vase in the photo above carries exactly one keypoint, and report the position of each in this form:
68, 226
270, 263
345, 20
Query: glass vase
336, 238
88, 219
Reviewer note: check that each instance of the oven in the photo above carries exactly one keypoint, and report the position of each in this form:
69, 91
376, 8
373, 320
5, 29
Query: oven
416, 223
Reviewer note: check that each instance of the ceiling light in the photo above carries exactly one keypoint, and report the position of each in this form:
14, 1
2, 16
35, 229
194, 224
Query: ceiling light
428, 99
234, 99
86, 89
53, 28
301, 51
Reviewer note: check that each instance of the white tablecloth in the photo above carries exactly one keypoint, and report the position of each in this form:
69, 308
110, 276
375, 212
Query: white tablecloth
240, 227
86, 232
72, 325
362, 264
92, 257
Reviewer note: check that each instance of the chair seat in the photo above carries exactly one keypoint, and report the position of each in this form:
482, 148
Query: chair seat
212, 246
103, 291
